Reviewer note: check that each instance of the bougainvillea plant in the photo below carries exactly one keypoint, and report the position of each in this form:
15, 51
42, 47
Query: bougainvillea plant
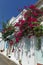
30, 25
7, 31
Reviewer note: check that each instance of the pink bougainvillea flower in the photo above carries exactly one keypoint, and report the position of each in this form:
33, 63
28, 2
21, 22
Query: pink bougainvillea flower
17, 40
31, 25
34, 13
31, 19
19, 34
34, 19
21, 27
17, 24
32, 7
22, 21
26, 14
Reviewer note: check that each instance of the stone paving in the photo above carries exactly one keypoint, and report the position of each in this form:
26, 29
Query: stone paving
5, 61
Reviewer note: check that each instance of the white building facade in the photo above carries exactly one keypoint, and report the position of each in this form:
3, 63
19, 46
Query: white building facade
13, 20
2, 43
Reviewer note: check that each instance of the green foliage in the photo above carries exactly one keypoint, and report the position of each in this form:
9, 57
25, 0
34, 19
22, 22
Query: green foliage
38, 31
9, 30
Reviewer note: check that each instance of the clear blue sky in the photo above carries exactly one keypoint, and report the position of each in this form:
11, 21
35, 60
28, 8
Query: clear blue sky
9, 8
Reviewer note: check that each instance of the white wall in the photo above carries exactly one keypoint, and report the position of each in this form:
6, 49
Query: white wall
13, 20
1, 42
41, 6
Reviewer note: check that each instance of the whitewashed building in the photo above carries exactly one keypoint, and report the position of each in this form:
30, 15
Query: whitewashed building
38, 57
12, 21
2, 44
39, 5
